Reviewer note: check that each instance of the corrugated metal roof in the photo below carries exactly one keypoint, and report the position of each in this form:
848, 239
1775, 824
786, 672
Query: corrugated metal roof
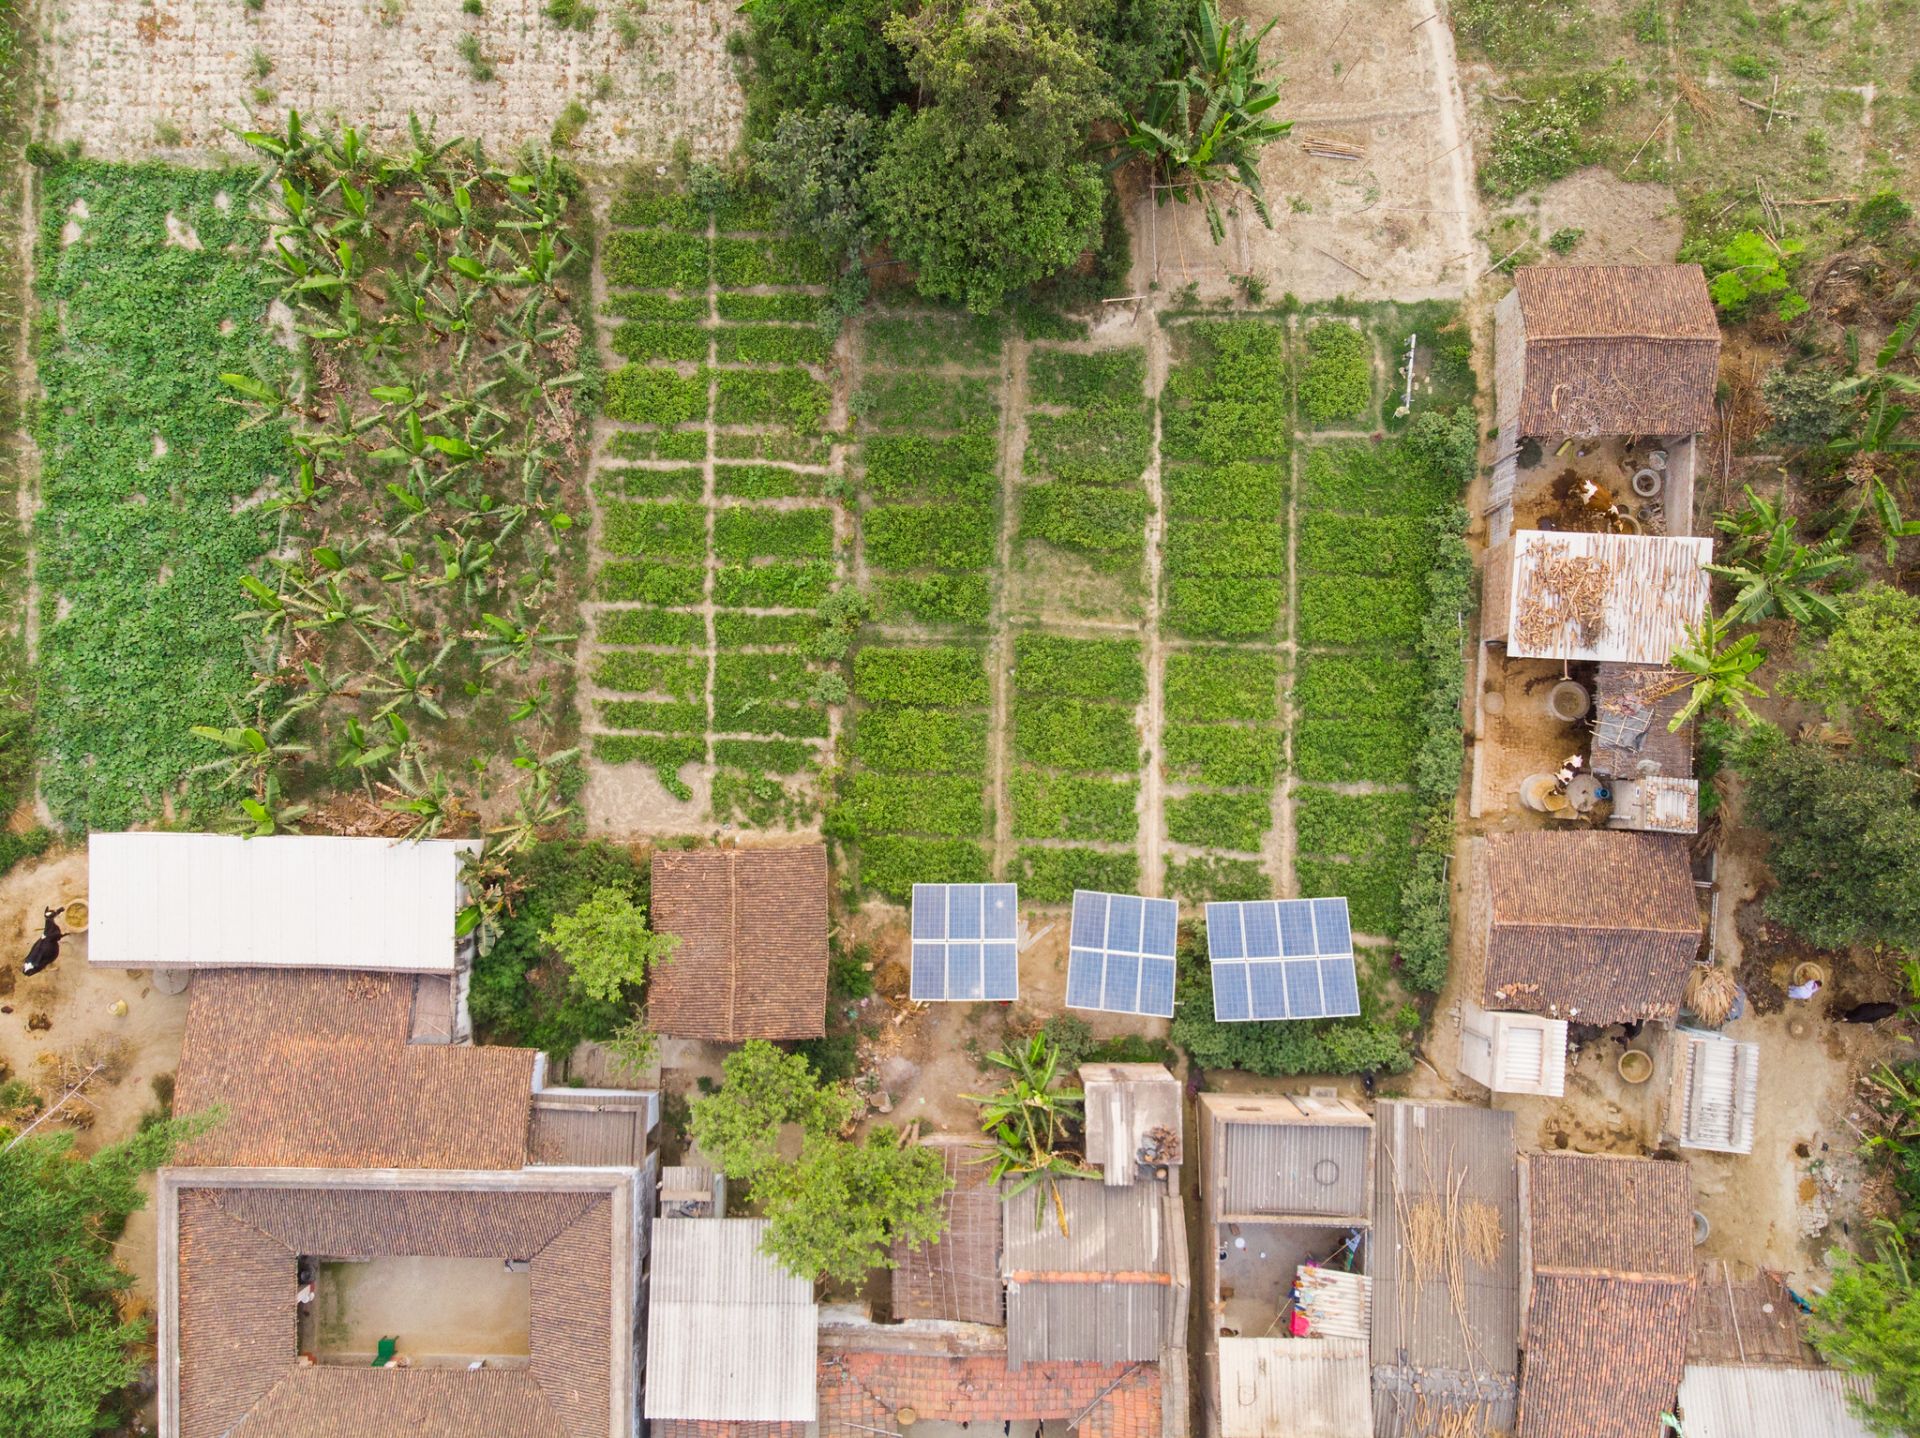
1716, 1091
1733, 1402
1515, 1053
288, 901
1651, 588
1300, 1387
1336, 1303
1133, 1117
595, 1127
1113, 1287
1300, 1167
731, 1334
1446, 1239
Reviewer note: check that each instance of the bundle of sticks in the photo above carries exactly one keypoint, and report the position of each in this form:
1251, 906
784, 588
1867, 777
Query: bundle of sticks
1568, 595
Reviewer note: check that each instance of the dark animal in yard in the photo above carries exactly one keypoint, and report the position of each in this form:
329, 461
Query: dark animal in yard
46, 948
1869, 1013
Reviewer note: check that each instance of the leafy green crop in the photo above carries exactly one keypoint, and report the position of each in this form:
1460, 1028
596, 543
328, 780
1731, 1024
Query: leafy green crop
1337, 382
1055, 806
1083, 668
1049, 876
1213, 820
148, 479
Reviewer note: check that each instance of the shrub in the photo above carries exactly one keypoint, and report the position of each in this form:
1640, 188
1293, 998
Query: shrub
1337, 382
1750, 267
1213, 820
1055, 806
1049, 876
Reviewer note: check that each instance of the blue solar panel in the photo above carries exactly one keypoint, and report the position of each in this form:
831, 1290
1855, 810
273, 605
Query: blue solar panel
963, 942
1111, 937
1161, 930
1156, 986
1230, 992
1284, 959
1224, 932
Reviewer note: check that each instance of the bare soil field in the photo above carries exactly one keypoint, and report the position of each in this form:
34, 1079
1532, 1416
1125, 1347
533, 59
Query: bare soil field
126, 79
1394, 224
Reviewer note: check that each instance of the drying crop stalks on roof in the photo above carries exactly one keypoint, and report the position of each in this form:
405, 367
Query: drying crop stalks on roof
427, 607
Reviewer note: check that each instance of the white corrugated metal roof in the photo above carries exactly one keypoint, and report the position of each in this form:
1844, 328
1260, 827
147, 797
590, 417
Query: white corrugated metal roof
1716, 1091
186, 901
731, 1334
1527, 1053
1133, 1116
1652, 589
1300, 1387
1738, 1402
1337, 1304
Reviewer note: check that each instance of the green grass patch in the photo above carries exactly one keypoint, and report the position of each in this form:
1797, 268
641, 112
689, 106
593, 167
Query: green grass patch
1057, 806
669, 530
1049, 876
1210, 820
928, 341
946, 676
1336, 383
931, 536
675, 627
1057, 733
775, 585
740, 532
920, 741
1223, 754
892, 864
1221, 684
645, 394
910, 401
962, 599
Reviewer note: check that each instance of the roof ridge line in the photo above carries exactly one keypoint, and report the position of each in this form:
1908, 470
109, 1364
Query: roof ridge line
1613, 1274
733, 945
1534, 339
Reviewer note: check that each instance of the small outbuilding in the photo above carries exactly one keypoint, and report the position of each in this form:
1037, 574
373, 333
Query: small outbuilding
752, 959
1742, 1401
1133, 1121
1513, 1053
1715, 1093
1286, 1158
1596, 926
956, 1278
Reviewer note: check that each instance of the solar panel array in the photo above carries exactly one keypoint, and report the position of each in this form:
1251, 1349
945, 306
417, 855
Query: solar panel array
965, 942
1120, 954
1282, 959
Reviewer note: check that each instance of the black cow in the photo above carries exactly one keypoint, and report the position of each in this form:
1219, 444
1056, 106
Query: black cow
1870, 1013
46, 948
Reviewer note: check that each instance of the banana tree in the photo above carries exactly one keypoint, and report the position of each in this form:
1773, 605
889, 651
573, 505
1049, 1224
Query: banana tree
248, 755
427, 799
1029, 1125
1202, 130
1777, 579
1716, 671
406, 685
269, 814
518, 640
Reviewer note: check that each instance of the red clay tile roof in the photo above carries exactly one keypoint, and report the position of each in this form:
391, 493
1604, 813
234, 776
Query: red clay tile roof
720, 1428
1600, 926
1611, 1306
315, 1071
752, 960
958, 1277
1617, 349
237, 1337
861, 1392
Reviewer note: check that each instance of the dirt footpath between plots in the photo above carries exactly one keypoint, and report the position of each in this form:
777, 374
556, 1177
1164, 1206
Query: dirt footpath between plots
126, 79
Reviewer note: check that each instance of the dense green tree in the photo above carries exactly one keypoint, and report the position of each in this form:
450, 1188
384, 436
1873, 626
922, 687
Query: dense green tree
1868, 1321
763, 1090
986, 187
606, 945
65, 1349
817, 165
1870, 664
837, 1212
811, 54
1844, 837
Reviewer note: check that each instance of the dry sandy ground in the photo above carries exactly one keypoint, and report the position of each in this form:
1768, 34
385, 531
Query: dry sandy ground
122, 70
1397, 224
